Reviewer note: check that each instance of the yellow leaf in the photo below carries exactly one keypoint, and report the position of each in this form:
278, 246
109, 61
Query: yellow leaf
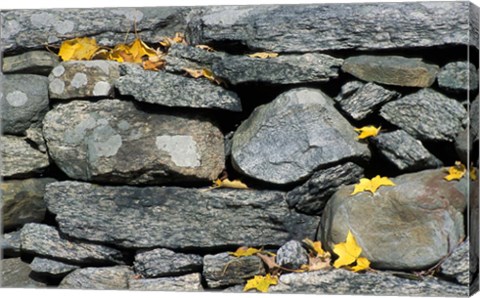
139, 49
456, 172
205, 47
362, 264
261, 283
367, 131
194, 73
347, 251
372, 185
263, 55
80, 48
473, 174
245, 252
208, 74
315, 246
229, 184
178, 38
153, 63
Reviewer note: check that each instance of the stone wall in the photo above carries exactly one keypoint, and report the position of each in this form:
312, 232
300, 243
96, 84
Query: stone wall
108, 167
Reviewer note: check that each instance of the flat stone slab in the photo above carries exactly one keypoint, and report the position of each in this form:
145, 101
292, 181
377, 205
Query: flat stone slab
51, 268
102, 278
33, 62
458, 76
182, 56
113, 141
163, 262
392, 70
185, 283
16, 274
173, 90
175, 218
20, 159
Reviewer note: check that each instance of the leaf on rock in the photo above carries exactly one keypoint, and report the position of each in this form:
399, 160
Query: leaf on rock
263, 55
261, 283
80, 48
245, 251
178, 38
347, 252
473, 174
316, 263
226, 183
362, 264
153, 63
138, 49
367, 131
456, 172
316, 246
372, 185
205, 47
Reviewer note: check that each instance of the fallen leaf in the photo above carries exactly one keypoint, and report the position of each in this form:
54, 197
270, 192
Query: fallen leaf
138, 49
205, 47
316, 263
269, 261
226, 183
367, 131
456, 172
372, 185
261, 283
347, 252
263, 55
153, 63
80, 48
194, 73
168, 41
244, 252
314, 246
362, 264
473, 174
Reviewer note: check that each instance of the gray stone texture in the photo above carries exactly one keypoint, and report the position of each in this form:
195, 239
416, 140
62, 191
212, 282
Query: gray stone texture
80, 79
410, 226
391, 70
10, 244
292, 255
20, 159
23, 102
184, 56
51, 268
284, 69
457, 265
287, 139
222, 270
311, 196
458, 76
16, 274
34, 62
173, 217
474, 123
22, 201
46, 241
405, 152
426, 115
173, 90
34, 136
115, 142
163, 262
185, 283
102, 278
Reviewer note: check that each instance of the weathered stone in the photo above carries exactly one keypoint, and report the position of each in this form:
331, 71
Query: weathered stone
79, 79
391, 70
341, 282
426, 115
43, 240
414, 223
320, 27
185, 283
10, 244
288, 139
458, 76
182, 56
348, 89
311, 197
224, 270
103, 278
31, 29
288, 69
34, 62
24, 102
474, 123
19, 159
16, 274
457, 265
463, 145
365, 100
113, 141
404, 151
34, 135
51, 268
22, 201
292, 255
163, 262
174, 217
174, 90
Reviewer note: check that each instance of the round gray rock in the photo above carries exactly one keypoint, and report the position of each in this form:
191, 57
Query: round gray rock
458, 76
292, 255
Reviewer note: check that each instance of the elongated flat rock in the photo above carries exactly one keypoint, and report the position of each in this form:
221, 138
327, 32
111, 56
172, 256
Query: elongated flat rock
174, 218
51, 268
20, 159
164, 262
34, 62
103, 278
190, 282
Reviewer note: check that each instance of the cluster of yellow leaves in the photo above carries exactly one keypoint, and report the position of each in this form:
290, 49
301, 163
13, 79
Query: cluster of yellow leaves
367, 131
261, 283
456, 172
372, 185
349, 255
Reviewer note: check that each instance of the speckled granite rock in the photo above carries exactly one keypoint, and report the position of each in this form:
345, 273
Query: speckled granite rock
185, 283
458, 76
34, 62
292, 255
10, 244
103, 278
19, 159
51, 268
163, 262
184, 56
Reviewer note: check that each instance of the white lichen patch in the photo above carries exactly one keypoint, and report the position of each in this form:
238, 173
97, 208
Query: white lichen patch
57, 86
79, 80
102, 89
123, 125
11, 28
58, 71
182, 150
103, 142
64, 27
76, 135
17, 98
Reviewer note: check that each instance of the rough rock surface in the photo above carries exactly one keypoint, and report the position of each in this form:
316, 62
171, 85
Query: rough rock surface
292, 255
22, 201
10, 244
19, 159
183, 56
363, 26
79, 79
163, 262
457, 265
474, 123
224, 270
173, 217
172, 90
391, 70
113, 141
185, 283
16, 274
458, 76
288, 139
426, 115
43, 240
103, 278
404, 151
311, 197
51, 268
339, 282
364, 100
409, 226
34, 136
34, 62
24, 102
288, 69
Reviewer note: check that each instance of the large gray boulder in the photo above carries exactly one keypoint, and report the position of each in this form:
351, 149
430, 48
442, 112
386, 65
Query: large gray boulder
115, 142
175, 218
410, 226
164, 262
102, 278
288, 139
20, 159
